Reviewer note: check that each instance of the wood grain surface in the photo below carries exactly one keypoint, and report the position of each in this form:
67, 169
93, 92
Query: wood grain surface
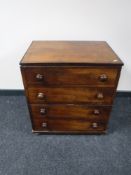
71, 95
68, 125
72, 111
70, 85
91, 52
90, 76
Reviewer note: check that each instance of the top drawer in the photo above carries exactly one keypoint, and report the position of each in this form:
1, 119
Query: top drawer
98, 76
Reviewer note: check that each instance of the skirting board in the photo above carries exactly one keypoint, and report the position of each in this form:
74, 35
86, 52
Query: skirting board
15, 92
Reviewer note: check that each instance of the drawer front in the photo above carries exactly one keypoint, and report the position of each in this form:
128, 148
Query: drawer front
71, 95
68, 125
100, 76
70, 112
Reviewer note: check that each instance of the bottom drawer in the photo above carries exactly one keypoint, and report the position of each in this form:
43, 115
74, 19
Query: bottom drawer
68, 125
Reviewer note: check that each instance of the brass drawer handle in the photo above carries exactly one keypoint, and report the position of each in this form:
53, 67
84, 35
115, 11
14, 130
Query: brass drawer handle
41, 95
96, 112
103, 77
94, 125
44, 125
42, 111
100, 95
39, 77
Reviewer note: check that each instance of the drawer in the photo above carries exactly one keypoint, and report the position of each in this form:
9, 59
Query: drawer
68, 125
71, 95
99, 76
70, 112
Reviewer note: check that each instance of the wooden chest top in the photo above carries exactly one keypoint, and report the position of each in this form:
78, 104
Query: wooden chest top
70, 52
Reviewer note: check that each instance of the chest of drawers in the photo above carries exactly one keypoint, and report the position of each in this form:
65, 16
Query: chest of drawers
70, 85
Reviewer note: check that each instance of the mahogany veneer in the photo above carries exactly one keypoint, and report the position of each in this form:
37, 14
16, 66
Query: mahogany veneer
70, 85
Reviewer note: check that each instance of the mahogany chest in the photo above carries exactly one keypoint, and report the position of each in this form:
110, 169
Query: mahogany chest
70, 85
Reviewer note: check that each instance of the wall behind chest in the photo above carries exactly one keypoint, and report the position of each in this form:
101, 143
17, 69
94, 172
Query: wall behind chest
24, 21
